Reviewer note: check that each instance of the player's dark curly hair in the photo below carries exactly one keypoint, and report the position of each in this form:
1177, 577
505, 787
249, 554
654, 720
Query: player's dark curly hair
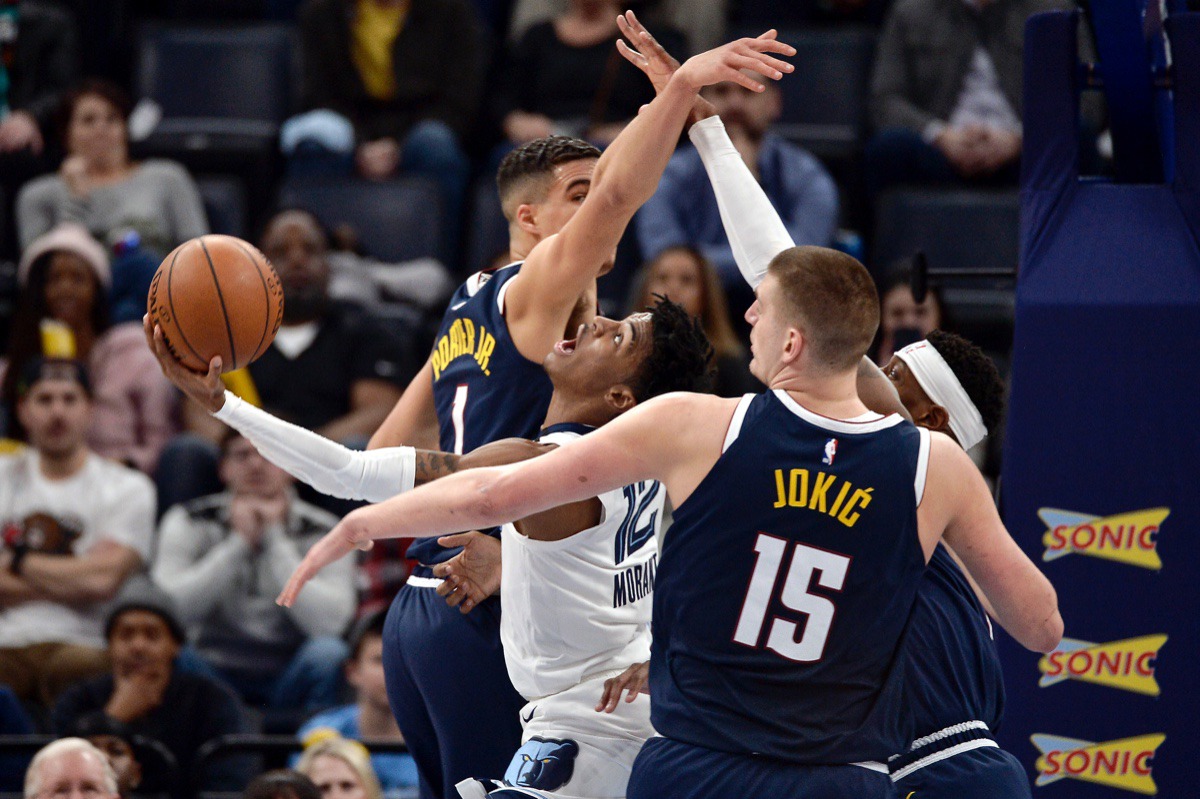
681, 358
538, 158
975, 370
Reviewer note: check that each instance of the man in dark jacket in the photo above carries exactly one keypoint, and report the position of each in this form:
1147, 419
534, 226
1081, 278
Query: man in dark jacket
147, 695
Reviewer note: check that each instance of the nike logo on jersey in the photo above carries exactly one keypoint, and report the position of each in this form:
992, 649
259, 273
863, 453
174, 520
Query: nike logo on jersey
529, 718
458, 305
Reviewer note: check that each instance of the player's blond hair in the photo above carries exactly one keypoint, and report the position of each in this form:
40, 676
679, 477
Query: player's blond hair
835, 303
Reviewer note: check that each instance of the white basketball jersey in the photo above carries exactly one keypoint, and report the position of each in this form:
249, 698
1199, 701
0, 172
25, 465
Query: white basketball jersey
579, 607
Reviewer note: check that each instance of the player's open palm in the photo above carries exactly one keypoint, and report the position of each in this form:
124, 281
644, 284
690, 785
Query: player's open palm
472, 575
206, 389
339, 542
725, 63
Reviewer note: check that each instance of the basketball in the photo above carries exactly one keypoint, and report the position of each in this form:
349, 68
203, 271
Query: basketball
216, 295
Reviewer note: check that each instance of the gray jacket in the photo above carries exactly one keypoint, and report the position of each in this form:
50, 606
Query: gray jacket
225, 590
925, 53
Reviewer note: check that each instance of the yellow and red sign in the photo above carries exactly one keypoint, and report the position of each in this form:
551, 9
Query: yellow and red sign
1130, 538
1127, 664
1126, 763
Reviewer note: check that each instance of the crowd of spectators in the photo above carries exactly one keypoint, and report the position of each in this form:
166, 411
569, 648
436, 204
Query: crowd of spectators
142, 542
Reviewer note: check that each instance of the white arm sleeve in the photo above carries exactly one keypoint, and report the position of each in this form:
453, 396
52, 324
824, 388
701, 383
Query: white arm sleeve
755, 231
329, 467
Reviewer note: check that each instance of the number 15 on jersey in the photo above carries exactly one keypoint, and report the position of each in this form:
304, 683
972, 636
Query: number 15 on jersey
829, 568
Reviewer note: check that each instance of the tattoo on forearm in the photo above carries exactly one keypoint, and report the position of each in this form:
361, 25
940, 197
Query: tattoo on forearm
431, 465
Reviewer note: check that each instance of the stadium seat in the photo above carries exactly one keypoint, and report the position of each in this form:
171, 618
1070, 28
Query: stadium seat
825, 99
962, 230
224, 199
223, 93
221, 85
487, 232
396, 220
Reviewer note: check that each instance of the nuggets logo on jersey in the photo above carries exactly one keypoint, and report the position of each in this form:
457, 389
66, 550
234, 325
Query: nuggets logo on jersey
461, 340
544, 764
1130, 538
1126, 764
796, 488
1127, 664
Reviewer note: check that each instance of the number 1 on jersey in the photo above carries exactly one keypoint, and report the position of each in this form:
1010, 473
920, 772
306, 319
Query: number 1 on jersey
794, 595
457, 411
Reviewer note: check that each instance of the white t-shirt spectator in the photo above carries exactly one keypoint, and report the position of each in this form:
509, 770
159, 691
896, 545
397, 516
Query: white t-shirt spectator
104, 501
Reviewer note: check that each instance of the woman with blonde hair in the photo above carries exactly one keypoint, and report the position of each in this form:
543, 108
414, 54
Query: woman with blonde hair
682, 274
341, 769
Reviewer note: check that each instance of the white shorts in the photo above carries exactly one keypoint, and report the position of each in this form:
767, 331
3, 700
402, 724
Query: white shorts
569, 751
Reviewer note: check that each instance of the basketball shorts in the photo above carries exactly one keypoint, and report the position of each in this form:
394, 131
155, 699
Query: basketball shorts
668, 769
570, 751
960, 767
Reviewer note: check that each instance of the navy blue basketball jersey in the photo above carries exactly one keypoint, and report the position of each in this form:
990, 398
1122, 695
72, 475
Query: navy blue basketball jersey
483, 388
785, 585
953, 672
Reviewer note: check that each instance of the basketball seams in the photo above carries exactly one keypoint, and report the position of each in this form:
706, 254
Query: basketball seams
171, 304
266, 296
221, 300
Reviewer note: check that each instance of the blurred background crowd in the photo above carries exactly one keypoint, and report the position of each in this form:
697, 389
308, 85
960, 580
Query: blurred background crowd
356, 142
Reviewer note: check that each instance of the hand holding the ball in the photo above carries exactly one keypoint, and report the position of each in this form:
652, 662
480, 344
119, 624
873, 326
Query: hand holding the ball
206, 389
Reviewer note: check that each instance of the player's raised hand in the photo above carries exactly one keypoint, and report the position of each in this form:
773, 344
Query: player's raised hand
635, 680
472, 575
337, 543
725, 63
645, 53
206, 389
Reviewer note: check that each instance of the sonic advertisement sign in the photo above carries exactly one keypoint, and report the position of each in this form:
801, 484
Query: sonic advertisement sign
1127, 665
1126, 764
1130, 538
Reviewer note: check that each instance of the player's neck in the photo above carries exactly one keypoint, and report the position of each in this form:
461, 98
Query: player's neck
567, 410
835, 396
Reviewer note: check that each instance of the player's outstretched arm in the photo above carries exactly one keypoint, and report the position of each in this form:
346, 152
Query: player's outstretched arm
756, 232
957, 502
561, 267
674, 439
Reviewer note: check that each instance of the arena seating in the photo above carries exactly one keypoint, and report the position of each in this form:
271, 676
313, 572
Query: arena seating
396, 220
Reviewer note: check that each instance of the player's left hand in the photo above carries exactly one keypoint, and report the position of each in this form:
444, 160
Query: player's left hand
727, 62
635, 680
472, 575
337, 543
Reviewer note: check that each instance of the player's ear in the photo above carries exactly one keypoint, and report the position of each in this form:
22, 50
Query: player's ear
526, 217
620, 397
793, 345
935, 417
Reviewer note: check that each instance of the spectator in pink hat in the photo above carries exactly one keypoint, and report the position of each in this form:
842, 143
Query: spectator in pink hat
64, 277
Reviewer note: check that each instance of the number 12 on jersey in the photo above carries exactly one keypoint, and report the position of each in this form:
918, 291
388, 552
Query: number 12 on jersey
830, 568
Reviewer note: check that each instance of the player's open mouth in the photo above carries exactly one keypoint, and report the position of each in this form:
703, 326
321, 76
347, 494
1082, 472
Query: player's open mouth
566, 346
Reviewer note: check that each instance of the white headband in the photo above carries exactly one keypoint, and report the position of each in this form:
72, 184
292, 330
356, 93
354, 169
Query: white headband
940, 383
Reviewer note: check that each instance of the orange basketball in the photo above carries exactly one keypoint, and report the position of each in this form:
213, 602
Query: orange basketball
216, 295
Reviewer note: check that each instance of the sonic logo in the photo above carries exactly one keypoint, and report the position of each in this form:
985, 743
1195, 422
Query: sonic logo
1127, 664
1130, 538
1125, 764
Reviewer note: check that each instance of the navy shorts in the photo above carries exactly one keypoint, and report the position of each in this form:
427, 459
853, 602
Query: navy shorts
668, 769
984, 773
449, 688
